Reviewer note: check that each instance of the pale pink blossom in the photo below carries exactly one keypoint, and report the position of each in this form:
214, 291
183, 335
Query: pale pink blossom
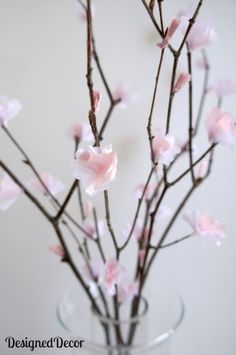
96, 167
81, 132
9, 108
202, 33
141, 256
163, 212
182, 80
223, 88
111, 276
164, 148
170, 32
138, 231
206, 226
183, 144
91, 272
90, 228
150, 189
221, 127
124, 94
58, 250
202, 63
88, 208
203, 167
9, 192
97, 97
127, 289
49, 182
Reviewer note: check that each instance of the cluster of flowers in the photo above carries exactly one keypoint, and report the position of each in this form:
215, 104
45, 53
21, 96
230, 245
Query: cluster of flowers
96, 167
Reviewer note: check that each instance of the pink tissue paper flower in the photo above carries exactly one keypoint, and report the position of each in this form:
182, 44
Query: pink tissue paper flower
221, 127
164, 148
170, 32
202, 63
202, 33
88, 208
223, 88
9, 108
148, 193
111, 276
97, 96
9, 192
203, 166
91, 273
141, 256
81, 131
127, 289
58, 250
204, 225
124, 94
96, 167
90, 228
137, 231
182, 80
53, 184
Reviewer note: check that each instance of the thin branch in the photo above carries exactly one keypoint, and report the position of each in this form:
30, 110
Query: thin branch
204, 90
149, 125
172, 92
109, 225
98, 240
26, 191
177, 241
92, 114
152, 17
138, 208
66, 201
190, 128
194, 164
29, 162
191, 23
161, 14
173, 219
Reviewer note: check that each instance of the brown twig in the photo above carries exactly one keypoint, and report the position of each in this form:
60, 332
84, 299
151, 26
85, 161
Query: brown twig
190, 127
149, 125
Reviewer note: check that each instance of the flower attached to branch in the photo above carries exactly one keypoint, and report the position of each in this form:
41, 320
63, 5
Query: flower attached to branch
223, 88
201, 34
221, 127
48, 183
9, 108
127, 289
88, 208
58, 250
170, 32
97, 97
182, 80
91, 272
9, 192
150, 189
111, 276
164, 148
81, 132
204, 225
124, 94
90, 228
96, 167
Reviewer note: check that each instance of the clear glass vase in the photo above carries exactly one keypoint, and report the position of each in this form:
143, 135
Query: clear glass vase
148, 333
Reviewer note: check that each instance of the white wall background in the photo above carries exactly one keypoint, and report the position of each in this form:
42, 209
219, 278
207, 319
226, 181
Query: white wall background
42, 62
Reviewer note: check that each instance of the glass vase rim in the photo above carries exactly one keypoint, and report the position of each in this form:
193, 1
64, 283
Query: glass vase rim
158, 340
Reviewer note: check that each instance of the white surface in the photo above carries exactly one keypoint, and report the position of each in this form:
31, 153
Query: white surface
42, 62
